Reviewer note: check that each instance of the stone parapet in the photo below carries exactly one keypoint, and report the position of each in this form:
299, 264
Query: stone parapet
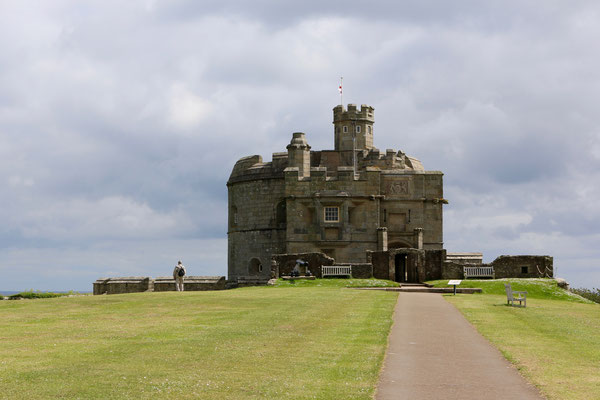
137, 284
190, 283
127, 284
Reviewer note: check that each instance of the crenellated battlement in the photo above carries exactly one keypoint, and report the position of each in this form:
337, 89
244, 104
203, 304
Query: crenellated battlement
365, 113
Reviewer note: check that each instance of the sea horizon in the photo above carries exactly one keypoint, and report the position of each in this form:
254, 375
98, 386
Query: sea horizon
11, 292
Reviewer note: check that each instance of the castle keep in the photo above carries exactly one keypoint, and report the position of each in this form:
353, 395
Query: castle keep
351, 209
344, 203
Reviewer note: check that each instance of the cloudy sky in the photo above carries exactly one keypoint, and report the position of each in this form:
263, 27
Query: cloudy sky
120, 122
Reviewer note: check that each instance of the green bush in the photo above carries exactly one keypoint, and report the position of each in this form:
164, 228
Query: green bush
37, 295
593, 295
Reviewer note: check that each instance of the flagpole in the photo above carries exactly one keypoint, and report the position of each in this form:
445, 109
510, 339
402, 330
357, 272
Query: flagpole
341, 91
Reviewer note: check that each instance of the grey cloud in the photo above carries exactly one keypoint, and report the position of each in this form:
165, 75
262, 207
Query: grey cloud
115, 113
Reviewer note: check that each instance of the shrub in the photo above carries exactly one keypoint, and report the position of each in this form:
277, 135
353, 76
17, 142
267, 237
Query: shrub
593, 295
37, 295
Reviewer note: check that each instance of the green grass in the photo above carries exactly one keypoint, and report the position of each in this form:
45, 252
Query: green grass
271, 343
537, 288
554, 342
336, 283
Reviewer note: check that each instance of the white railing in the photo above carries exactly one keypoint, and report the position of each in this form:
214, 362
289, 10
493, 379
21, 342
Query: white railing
478, 272
335, 270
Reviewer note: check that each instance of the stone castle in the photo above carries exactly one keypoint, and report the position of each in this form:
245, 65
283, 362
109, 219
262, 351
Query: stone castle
352, 208
380, 212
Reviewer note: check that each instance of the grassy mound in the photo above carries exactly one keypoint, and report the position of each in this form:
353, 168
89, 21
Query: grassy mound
536, 288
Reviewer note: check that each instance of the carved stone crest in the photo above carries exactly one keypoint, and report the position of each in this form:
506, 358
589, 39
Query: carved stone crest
398, 188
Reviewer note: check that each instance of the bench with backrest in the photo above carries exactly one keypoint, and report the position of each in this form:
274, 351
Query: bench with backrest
336, 270
478, 272
513, 296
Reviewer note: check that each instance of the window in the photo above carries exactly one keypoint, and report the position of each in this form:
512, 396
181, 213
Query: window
357, 128
370, 129
332, 214
234, 216
345, 129
280, 213
524, 270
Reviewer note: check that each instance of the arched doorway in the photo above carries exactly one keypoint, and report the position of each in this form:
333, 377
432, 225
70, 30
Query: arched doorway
254, 266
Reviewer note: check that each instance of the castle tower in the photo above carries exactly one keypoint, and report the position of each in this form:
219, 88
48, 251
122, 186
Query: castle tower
353, 125
299, 154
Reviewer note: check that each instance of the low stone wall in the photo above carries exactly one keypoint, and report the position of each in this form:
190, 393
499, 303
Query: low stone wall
434, 260
452, 270
129, 284
360, 270
245, 281
381, 264
283, 264
136, 284
190, 283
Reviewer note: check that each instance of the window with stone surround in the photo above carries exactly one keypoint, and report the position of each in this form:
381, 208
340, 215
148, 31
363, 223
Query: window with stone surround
331, 214
357, 128
345, 129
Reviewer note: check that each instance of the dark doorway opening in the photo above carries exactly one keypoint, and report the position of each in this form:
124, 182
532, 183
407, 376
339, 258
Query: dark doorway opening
400, 265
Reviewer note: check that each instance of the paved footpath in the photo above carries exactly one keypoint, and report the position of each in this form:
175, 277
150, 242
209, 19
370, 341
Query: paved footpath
434, 353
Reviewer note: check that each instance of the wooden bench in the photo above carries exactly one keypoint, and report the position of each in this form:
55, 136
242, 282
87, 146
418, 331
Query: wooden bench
336, 270
478, 272
521, 297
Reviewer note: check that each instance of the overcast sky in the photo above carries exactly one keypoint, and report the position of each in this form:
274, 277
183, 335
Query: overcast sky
121, 121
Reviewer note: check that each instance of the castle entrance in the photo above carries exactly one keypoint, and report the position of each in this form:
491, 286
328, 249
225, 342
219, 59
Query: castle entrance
400, 267
403, 271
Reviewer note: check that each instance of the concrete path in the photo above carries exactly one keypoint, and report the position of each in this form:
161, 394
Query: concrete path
434, 353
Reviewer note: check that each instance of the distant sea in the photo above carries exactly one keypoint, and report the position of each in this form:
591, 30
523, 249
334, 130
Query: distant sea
11, 292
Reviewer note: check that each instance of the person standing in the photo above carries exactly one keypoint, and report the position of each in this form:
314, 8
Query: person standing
178, 274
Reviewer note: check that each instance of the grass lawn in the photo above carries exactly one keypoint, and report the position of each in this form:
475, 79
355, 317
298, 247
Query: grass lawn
555, 341
267, 342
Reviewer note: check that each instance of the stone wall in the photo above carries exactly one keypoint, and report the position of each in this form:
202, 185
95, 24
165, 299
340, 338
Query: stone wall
137, 284
190, 283
382, 264
452, 270
128, 284
361, 270
434, 260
